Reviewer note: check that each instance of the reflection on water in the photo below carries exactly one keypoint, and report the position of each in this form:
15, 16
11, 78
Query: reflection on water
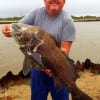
87, 45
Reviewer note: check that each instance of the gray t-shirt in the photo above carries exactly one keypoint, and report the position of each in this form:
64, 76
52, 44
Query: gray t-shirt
60, 26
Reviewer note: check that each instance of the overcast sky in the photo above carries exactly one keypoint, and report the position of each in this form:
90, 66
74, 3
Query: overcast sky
9, 8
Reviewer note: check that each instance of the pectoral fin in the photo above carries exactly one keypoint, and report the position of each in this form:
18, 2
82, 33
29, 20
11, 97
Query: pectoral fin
27, 66
38, 58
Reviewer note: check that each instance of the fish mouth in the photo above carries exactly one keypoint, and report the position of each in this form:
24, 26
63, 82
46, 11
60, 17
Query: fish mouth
19, 34
16, 29
15, 26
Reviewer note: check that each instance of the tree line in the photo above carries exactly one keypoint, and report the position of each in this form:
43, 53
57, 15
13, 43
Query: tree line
11, 18
74, 17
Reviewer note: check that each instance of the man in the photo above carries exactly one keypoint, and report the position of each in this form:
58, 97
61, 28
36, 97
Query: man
55, 21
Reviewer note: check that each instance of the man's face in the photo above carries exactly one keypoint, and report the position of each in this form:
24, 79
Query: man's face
54, 6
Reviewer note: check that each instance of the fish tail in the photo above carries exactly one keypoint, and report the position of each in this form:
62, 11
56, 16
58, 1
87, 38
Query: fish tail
80, 95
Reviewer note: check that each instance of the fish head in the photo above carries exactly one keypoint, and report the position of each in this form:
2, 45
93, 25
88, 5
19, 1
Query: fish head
24, 33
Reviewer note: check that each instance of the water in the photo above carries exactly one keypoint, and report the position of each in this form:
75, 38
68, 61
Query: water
10, 56
87, 45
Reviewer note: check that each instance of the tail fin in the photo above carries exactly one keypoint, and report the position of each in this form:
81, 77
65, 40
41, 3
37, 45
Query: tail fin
80, 95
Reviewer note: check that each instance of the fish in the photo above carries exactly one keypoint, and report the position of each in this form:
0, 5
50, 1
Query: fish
33, 40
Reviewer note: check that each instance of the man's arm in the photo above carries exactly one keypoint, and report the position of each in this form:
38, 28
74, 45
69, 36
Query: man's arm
65, 47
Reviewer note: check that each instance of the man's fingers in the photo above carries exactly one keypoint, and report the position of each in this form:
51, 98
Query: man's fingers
48, 72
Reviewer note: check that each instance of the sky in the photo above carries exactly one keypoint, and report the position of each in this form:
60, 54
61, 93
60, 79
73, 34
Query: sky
11, 8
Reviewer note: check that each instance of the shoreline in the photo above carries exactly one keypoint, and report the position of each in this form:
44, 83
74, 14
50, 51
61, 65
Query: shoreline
88, 79
14, 85
85, 82
86, 20
79, 66
7, 22
75, 20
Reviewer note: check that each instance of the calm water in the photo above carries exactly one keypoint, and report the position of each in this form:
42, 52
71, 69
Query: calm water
87, 45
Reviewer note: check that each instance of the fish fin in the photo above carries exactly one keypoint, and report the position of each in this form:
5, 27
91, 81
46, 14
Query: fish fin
26, 65
38, 58
80, 95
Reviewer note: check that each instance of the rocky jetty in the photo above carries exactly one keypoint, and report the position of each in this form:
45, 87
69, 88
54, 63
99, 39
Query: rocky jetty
86, 65
10, 79
89, 66
12, 85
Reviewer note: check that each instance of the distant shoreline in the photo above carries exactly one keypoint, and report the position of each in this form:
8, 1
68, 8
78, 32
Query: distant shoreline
85, 20
7, 22
75, 20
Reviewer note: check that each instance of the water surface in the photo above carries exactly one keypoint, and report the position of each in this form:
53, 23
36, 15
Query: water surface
87, 45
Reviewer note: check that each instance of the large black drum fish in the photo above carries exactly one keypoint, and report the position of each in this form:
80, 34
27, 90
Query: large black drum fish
42, 51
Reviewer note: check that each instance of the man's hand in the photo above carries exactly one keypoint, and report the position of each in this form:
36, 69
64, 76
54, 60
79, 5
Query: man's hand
6, 30
48, 72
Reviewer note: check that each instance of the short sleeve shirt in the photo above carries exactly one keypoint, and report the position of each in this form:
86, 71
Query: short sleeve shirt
61, 27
